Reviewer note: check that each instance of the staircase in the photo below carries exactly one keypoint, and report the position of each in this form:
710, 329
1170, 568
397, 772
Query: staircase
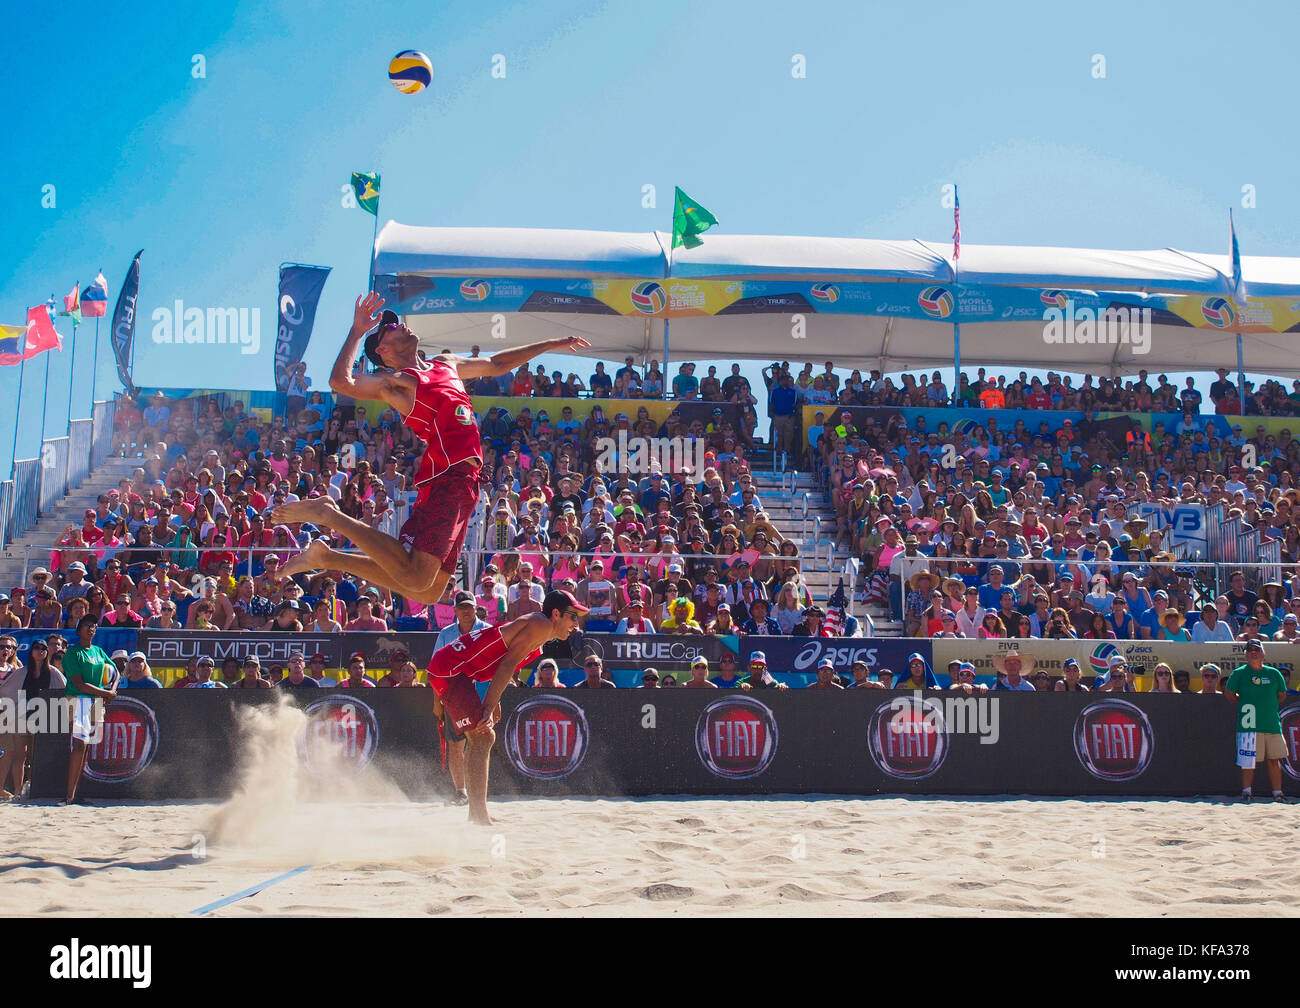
17, 559
801, 512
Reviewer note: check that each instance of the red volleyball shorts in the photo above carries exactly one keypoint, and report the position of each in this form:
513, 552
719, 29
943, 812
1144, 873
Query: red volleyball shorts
460, 702
440, 515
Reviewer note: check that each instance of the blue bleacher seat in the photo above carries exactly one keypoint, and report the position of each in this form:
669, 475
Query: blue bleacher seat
599, 626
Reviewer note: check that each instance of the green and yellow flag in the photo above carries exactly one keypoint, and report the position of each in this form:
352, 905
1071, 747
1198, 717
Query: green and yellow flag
366, 187
689, 221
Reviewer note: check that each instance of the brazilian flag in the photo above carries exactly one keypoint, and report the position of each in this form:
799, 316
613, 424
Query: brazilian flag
689, 221
366, 187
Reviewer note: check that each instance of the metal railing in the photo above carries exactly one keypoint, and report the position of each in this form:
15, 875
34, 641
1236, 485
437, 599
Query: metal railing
54, 471
26, 502
103, 415
6, 512
81, 441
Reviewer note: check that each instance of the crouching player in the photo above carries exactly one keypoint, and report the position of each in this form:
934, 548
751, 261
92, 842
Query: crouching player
492, 655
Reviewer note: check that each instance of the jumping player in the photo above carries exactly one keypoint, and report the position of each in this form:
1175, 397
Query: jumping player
492, 655
430, 396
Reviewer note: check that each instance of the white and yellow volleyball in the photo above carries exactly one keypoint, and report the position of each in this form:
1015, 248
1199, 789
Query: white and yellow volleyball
410, 71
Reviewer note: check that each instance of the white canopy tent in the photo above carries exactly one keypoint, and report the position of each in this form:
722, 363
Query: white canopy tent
429, 258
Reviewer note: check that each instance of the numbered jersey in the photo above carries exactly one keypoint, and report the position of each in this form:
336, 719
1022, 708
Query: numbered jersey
475, 655
443, 418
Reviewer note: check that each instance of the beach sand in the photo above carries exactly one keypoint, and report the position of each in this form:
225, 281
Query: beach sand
715, 857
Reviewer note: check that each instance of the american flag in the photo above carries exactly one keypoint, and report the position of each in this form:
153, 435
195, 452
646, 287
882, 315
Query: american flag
956, 224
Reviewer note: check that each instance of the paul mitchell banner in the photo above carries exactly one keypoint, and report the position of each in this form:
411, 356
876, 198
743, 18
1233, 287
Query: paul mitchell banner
300, 289
123, 332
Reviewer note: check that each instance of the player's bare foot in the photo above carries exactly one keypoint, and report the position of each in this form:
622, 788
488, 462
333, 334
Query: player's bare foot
317, 510
313, 558
480, 819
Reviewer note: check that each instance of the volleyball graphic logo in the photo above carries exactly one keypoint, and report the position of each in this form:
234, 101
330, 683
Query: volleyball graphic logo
649, 298
1099, 660
1218, 312
825, 292
410, 71
475, 290
936, 302
1053, 298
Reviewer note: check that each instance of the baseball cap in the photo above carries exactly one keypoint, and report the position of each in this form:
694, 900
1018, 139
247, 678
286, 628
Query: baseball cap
560, 600
388, 318
137, 654
700, 662
1255, 644
463, 598
826, 663
757, 657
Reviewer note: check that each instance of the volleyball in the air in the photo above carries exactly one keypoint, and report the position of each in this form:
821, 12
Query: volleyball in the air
410, 71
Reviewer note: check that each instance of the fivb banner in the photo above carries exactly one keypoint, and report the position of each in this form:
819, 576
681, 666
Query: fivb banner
1094, 656
1186, 525
123, 332
1058, 310
300, 290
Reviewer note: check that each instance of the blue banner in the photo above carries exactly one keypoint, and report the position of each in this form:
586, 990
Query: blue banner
793, 658
123, 331
300, 289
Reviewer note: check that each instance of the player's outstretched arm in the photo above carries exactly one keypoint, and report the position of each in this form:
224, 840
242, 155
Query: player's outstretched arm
509, 360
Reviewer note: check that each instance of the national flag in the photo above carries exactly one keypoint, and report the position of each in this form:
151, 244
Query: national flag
94, 304
18, 343
956, 224
835, 606
366, 187
72, 305
690, 220
1238, 283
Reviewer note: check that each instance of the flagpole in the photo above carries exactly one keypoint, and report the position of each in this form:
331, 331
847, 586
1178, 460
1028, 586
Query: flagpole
72, 371
956, 298
94, 367
45, 401
18, 408
374, 237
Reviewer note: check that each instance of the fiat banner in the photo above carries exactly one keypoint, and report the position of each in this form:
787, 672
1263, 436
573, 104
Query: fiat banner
159, 744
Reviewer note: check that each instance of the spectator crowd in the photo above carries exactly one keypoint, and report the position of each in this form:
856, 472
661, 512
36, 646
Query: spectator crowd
986, 531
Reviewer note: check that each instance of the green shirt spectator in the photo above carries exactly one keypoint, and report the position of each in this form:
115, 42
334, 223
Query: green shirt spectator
1257, 692
88, 662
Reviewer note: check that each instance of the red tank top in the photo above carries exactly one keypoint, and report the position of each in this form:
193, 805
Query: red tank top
443, 418
476, 655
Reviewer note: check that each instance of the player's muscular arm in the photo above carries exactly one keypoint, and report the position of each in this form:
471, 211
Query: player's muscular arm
509, 360
396, 390
530, 632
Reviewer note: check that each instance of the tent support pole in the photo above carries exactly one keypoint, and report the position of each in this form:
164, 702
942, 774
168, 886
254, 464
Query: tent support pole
665, 371
1241, 378
956, 360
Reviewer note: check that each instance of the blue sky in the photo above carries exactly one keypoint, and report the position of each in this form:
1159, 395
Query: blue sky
222, 178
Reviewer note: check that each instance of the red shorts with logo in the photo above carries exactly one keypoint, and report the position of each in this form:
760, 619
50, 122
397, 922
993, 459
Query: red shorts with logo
456, 667
461, 706
441, 513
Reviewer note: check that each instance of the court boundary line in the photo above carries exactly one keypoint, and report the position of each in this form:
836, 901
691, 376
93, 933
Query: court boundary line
252, 891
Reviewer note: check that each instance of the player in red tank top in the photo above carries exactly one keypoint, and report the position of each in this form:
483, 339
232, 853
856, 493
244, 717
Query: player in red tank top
492, 655
430, 396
